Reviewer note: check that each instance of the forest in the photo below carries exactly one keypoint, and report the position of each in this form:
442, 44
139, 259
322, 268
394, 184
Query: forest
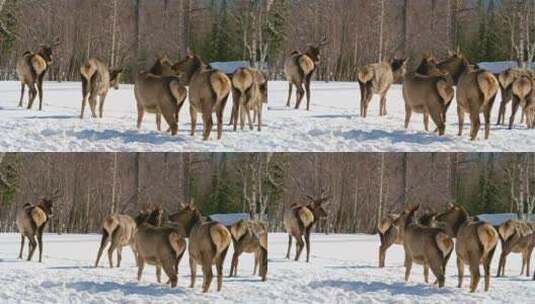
362, 187
131, 33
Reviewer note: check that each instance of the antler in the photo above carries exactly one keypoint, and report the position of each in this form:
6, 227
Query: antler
324, 41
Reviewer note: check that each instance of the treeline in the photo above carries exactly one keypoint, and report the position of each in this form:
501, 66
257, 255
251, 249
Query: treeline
363, 187
131, 33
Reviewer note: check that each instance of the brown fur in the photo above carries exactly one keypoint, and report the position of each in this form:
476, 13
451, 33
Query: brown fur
430, 247
377, 79
430, 95
299, 221
208, 93
516, 237
117, 230
476, 93
523, 96
160, 245
249, 237
506, 79
299, 69
31, 222
249, 93
476, 243
31, 70
96, 82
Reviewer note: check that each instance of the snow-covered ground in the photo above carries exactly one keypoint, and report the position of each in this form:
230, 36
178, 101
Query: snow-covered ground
342, 270
331, 125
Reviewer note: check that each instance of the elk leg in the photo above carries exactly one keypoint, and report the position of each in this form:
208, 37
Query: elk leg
408, 114
426, 121
242, 116
40, 241
289, 94
193, 270
259, 115
219, 117
528, 260
256, 261
382, 251
299, 247
460, 115
426, 272
474, 273
193, 116
486, 115
40, 90
249, 119
308, 78
219, 268
438, 271
235, 99
21, 245
501, 113
500, 264
476, 124
140, 266
22, 89
300, 95
159, 122
207, 272
486, 267
159, 273
234, 263
382, 110
103, 242
101, 105
178, 108
33, 245
119, 255
140, 114
307, 241
169, 116
408, 266
113, 246
524, 252
207, 120
289, 246
515, 106
32, 95
170, 271
460, 271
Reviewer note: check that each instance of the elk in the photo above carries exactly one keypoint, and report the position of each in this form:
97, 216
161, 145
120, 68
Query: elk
428, 246
118, 231
250, 237
516, 236
506, 80
476, 92
523, 95
299, 69
377, 78
161, 95
31, 222
208, 92
208, 244
97, 79
31, 70
475, 245
162, 246
249, 93
430, 95
299, 219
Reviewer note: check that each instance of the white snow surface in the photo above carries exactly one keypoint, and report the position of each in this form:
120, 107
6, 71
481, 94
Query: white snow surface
332, 125
343, 269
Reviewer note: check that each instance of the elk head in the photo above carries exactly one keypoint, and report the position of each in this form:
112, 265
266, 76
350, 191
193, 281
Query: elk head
115, 76
187, 67
405, 218
46, 50
316, 204
399, 68
188, 216
453, 218
46, 205
313, 50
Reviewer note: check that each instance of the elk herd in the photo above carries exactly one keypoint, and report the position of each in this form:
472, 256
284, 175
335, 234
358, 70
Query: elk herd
429, 89
428, 240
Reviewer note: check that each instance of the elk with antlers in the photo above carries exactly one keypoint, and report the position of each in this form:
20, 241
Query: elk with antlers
299, 69
31, 70
117, 230
250, 237
299, 219
160, 245
208, 244
377, 79
475, 245
97, 79
31, 222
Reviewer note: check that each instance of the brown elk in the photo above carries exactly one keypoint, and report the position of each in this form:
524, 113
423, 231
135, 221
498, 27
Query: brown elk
476, 243
249, 93
476, 92
208, 92
250, 237
208, 244
97, 79
159, 94
299, 69
430, 247
161, 246
31, 222
299, 219
377, 79
506, 80
31, 70
118, 231
523, 91
430, 95
517, 237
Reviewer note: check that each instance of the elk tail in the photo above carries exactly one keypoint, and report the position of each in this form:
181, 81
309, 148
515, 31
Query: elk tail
177, 91
365, 74
221, 237
444, 243
505, 231
220, 85
87, 73
238, 230
445, 91
110, 225
384, 225
488, 85
488, 237
177, 243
